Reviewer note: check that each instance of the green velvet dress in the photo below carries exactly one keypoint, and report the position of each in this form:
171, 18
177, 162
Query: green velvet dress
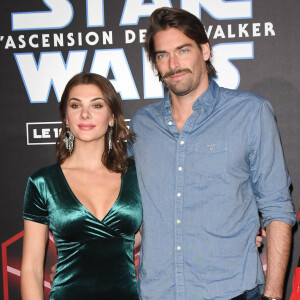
95, 257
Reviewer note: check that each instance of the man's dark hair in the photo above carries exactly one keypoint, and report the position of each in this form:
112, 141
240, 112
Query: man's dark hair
164, 18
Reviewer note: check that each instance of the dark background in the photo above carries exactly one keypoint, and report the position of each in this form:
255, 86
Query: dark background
273, 73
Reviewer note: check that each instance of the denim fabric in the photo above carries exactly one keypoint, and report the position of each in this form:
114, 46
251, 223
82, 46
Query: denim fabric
253, 294
201, 191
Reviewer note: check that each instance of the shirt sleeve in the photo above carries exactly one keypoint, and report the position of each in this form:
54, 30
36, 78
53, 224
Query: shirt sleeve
35, 208
129, 150
270, 179
129, 145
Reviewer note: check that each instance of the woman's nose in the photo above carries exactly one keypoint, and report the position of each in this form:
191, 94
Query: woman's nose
85, 114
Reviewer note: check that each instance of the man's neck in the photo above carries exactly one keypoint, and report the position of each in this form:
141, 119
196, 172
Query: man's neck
181, 110
182, 106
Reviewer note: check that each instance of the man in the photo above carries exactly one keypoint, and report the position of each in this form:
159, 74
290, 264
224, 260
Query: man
208, 159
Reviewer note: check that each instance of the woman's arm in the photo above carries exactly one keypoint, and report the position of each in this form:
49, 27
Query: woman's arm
32, 268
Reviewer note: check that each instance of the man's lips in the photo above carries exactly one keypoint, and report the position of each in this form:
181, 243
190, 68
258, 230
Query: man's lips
86, 126
177, 74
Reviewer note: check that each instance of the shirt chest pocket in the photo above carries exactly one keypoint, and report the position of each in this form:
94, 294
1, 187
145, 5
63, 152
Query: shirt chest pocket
210, 159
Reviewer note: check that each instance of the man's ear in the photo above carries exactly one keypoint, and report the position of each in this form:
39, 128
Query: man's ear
205, 51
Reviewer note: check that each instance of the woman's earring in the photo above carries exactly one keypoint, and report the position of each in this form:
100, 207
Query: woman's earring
109, 137
69, 139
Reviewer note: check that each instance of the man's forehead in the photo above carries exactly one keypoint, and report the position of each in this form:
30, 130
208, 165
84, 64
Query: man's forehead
171, 38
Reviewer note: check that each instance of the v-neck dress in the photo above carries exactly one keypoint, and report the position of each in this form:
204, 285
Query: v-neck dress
95, 257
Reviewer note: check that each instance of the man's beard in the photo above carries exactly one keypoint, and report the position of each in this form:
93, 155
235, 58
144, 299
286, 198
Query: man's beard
172, 87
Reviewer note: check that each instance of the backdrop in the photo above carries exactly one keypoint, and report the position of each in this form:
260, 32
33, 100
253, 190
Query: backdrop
256, 47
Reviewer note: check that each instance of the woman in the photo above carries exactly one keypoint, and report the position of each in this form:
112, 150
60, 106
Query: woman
89, 199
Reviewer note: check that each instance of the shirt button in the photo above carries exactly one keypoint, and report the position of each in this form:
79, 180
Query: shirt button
178, 221
180, 169
170, 122
178, 194
178, 248
181, 142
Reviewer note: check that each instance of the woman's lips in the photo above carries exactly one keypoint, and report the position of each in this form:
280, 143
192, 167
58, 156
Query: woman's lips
86, 126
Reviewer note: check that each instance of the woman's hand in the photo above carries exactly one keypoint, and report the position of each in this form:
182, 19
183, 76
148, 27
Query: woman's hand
258, 240
52, 274
138, 238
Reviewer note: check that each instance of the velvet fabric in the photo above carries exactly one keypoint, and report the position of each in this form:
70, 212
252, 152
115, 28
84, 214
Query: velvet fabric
95, 256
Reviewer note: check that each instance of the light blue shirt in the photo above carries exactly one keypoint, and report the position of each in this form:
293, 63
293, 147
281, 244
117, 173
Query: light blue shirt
201, 191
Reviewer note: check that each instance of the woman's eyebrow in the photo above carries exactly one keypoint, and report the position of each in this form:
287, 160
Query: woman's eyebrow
94, 99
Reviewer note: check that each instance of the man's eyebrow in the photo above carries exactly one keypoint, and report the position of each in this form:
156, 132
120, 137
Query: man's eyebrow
159, 51
184, 45
177, 48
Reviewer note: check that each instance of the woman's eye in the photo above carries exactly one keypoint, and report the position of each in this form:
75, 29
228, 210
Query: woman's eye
98, 105
74, 105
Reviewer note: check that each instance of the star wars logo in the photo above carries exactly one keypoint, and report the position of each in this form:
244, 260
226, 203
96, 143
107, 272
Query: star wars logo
52, 70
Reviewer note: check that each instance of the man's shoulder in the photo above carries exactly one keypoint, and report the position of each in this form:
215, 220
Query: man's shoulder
245, 97
149, 110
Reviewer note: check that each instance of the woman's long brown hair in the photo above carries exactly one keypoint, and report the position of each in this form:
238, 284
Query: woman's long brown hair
116, 160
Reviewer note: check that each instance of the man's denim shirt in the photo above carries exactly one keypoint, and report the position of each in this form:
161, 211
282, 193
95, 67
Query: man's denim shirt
201, 191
